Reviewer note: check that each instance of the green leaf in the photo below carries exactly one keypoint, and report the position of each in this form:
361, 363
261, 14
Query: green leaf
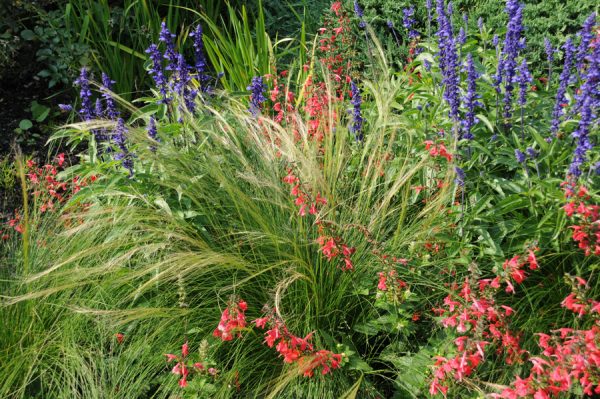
353, 391
366, 328
25, 124
39, 112
27, 34
356, 363
486, 121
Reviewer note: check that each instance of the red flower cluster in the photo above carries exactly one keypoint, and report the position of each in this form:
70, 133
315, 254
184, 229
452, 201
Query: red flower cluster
281, 97
390, 281
303, 199
433, 247
437, 149
47, 189
474, 313
317, 108
587, 232
180, 367
14, 223
512, 270
577, 302
335, 44
569, 357
232, 321
183, 367
334, 247
298, 350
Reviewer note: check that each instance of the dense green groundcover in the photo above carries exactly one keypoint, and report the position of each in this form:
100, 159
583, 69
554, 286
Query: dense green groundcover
552, 19
315, 222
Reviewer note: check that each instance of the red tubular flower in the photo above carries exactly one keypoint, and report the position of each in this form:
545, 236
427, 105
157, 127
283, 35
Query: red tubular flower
232, 321
170, 357
184, 349
587, 230
120, 337
574, 304
294, 349
480, 322
382, 281
261, 322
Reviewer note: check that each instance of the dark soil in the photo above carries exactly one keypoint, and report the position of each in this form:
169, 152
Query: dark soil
19, 86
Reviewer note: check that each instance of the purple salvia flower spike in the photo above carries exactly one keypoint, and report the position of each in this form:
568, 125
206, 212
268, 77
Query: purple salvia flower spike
120, 138
85, 93
153, 133
563, 83
549, 50
586, 35
357, 119
524, 80
429, 7
200, 57
510, 51
257, 89
519, 156
170, 54
460, 176
470, 100
157, 72
408, 22
462, 36
448, 59
106, 88
588, 102
358, 11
